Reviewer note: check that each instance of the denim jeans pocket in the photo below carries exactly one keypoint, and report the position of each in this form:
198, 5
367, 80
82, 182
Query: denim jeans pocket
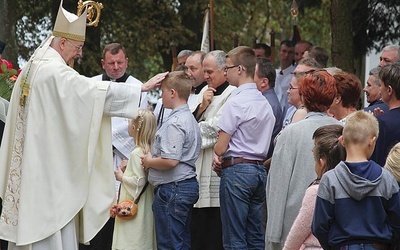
166, 194
247, 176
187, 196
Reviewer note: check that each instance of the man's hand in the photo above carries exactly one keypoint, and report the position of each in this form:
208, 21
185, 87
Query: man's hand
154, 82
207, 99
216, 164
378, 111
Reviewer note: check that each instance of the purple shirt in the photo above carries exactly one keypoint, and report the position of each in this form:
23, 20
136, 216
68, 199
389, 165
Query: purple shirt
249, 119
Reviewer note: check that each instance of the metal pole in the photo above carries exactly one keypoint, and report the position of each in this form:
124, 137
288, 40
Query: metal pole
272, 34
211, 25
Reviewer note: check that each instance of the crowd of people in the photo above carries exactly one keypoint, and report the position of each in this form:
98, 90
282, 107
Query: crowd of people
236, 155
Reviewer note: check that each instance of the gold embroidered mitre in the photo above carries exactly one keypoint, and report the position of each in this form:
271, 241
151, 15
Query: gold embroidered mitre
69, 25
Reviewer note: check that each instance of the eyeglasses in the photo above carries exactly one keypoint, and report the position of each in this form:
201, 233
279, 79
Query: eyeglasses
226, 68
76, 46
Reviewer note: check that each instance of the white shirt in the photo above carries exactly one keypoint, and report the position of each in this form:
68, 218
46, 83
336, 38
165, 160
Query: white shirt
282, 83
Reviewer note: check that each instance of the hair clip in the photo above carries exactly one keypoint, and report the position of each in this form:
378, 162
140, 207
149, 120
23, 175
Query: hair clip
140, 121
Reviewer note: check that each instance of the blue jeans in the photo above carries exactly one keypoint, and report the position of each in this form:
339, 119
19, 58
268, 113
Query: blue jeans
360, 246
172, 209
242, 194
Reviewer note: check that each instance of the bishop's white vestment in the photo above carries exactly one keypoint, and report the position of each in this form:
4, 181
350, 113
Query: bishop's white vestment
56, 155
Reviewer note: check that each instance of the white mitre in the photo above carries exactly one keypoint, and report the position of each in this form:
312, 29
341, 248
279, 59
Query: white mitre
69, 25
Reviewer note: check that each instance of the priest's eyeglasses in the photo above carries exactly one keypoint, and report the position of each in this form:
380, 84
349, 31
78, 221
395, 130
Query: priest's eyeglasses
76, 46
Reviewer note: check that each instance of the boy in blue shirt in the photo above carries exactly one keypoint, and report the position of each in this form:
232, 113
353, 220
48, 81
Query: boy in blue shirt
358, 205
172, 165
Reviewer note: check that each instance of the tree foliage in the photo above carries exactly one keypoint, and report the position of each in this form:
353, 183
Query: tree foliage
375, 24
342, 47
148, 27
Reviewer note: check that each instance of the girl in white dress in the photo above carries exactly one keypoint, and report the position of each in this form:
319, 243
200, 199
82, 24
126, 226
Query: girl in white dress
139, 232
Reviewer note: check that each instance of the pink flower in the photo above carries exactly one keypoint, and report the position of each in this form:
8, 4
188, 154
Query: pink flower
7, 63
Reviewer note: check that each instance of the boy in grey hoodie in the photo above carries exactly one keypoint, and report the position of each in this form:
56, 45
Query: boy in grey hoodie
358, 202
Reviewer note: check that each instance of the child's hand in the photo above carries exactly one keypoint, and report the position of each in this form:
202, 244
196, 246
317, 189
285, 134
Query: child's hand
113, 211
119, 174
145, 161
123, 165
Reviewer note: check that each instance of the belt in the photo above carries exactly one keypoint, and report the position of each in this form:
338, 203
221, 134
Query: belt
379, 245
376, 245
227, 162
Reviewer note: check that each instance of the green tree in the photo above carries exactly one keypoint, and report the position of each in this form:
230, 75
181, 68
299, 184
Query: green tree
342, 42
147, 27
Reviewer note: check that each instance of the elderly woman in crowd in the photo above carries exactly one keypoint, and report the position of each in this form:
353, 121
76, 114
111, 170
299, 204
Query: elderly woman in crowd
292, 166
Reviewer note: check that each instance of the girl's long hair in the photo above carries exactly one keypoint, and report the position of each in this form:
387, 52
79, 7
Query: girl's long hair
146, 127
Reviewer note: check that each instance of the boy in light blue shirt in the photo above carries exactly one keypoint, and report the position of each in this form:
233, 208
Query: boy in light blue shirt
171, 165
246, 126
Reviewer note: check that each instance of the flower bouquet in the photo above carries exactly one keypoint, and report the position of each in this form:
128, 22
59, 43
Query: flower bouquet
8, 76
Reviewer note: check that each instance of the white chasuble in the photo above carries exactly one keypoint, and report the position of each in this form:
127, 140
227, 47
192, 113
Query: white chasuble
56, 154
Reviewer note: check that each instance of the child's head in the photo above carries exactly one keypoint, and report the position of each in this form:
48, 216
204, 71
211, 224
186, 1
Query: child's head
143, 129
393, 161
176, 87
328, 151
241, 58
361, 130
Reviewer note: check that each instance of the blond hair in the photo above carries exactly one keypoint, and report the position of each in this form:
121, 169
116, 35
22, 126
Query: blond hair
180, 82
360, 127
145, 127
393, 161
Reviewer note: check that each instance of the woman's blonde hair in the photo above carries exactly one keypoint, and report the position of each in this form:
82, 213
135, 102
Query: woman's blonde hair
393, 161
145, 127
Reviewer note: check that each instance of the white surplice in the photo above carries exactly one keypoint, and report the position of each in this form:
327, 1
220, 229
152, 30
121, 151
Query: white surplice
56, 155
208, 179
